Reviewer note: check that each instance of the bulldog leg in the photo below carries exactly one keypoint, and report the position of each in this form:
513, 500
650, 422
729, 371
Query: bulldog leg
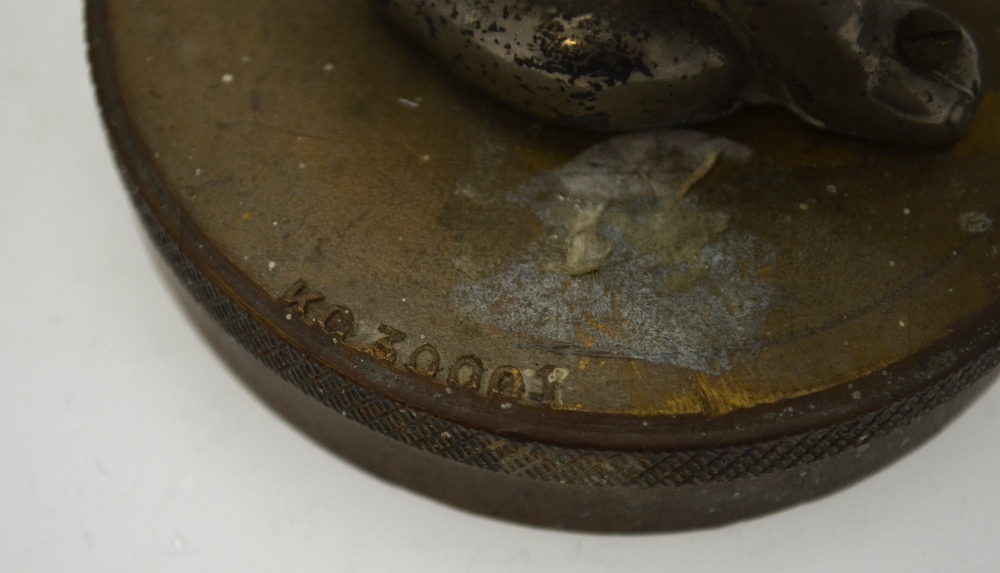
891, 70
594, 63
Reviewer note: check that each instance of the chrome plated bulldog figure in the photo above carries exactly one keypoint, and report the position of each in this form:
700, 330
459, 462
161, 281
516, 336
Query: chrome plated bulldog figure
898, 71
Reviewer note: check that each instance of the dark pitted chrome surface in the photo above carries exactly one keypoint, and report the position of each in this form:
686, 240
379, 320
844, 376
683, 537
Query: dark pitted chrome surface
890, 70
669, 308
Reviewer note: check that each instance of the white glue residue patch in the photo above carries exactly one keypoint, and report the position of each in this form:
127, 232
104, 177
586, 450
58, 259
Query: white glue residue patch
638, 184
629, 265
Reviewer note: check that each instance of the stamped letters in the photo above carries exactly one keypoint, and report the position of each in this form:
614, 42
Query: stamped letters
466, 373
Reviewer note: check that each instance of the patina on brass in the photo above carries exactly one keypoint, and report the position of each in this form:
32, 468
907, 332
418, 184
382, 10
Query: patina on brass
670, 328
892, 70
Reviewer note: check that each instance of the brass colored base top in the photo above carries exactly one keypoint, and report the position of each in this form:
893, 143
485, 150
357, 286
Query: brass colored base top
634, 291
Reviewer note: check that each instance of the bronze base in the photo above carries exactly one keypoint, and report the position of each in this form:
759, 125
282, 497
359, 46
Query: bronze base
388, 273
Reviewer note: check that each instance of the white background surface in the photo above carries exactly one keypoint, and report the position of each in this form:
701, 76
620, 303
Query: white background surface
125, 445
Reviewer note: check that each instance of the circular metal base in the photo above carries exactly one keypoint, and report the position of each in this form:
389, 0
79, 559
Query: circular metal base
654, 331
